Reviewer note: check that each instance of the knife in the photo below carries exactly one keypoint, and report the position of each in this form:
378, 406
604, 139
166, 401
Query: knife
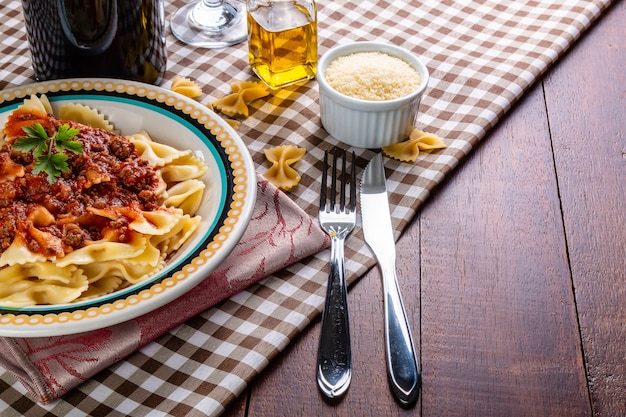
401, 360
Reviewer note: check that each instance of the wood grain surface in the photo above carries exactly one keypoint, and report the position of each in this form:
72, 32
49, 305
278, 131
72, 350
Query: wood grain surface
514, 272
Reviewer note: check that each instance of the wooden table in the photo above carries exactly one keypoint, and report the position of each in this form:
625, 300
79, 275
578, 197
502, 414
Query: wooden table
514, 272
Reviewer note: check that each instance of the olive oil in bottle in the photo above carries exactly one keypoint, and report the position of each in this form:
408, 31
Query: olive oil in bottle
282, 41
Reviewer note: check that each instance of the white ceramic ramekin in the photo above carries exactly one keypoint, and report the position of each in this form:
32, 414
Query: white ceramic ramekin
364, 123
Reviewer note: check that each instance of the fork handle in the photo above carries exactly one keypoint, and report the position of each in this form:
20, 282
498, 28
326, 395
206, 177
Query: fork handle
334, 356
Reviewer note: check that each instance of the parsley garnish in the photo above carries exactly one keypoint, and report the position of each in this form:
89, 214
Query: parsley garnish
49, 151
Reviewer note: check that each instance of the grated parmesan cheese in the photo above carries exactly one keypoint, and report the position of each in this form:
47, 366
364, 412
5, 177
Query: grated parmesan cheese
372, 76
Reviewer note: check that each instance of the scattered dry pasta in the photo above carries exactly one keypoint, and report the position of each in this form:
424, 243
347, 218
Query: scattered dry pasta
186, 87
233, 123
408, 150
281, 174
234, 104
243, 93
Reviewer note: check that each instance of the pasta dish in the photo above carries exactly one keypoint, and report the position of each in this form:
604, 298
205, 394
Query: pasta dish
109, 218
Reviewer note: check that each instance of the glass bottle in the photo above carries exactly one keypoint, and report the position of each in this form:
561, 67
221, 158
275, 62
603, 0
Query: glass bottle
282, 40
96, 38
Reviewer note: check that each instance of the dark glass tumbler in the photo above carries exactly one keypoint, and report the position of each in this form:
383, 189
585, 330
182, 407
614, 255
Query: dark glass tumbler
97, 39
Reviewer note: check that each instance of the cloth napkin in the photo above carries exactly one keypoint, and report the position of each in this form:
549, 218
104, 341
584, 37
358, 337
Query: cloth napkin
279, 233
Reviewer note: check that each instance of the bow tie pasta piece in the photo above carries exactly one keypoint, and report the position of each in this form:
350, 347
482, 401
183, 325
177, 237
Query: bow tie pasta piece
281, 174
186, 87
233, 123
249, 90
408, 150
36, 107
36, 222
85, 115
105, 285
107, 277
105, 249
18, 253
155, 222
157, 154
149, 259
10, 169
40, 283
173, 240
187, 167
231, 105
186, 195
243, 93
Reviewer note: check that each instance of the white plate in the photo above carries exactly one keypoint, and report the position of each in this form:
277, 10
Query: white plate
171, 119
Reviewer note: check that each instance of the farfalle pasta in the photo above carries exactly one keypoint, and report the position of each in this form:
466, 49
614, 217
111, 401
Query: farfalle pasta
232, 105
186, 87
281, 174
408, 150
85, 115
55, 286
243, 93
112, 220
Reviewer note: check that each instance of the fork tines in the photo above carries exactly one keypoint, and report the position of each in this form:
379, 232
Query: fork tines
338, 154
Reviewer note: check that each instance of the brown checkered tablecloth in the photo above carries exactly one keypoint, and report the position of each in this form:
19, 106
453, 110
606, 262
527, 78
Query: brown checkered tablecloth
482, 56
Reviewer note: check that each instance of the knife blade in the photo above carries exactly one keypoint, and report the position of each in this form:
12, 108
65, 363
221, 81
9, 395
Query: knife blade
402, 365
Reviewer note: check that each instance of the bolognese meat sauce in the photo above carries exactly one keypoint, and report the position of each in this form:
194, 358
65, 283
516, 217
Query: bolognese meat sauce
108, 173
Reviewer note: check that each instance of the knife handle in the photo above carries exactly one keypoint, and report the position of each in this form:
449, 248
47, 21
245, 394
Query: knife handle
401, 360
334, 356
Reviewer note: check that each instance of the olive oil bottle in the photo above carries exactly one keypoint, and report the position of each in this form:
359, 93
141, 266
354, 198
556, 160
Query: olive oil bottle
282, 40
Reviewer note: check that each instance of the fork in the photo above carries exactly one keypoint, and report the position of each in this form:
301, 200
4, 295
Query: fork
334, 355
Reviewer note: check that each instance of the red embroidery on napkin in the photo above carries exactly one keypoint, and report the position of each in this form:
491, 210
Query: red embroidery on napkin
273, 240
70, 357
